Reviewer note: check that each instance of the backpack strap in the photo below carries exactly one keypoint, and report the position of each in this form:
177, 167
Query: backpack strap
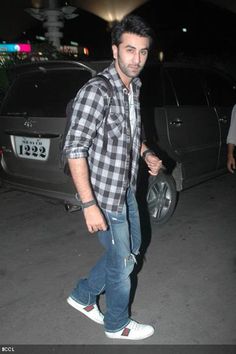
109, 91
110, 94
107, 82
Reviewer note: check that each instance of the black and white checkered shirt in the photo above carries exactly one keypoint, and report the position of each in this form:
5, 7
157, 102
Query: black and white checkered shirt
112, 154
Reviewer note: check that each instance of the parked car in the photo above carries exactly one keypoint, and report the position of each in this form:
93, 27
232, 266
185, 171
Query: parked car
186, 114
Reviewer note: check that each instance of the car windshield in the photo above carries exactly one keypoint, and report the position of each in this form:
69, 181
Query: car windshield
44, 93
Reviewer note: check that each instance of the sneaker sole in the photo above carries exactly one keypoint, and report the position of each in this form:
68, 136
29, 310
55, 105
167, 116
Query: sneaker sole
77, 306
112, 336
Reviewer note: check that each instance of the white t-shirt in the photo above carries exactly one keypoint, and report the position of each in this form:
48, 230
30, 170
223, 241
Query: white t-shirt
231, 138
132, 115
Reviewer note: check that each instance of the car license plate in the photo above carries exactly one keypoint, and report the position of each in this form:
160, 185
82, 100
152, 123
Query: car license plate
32, 148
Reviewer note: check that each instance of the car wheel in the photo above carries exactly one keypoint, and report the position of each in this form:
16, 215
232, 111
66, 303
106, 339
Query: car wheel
161, 198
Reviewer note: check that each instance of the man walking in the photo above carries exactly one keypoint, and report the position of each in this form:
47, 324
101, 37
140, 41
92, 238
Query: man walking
103, 156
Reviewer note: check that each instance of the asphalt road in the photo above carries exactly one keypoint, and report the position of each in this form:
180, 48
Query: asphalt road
186, 284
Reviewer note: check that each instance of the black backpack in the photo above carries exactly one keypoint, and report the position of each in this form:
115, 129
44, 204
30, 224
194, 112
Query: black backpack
69, 110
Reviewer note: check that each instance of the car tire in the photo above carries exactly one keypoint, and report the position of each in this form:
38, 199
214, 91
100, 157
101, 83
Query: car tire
161, 198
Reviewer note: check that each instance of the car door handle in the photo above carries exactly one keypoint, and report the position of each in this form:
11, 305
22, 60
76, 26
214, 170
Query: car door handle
178, 122
223, 119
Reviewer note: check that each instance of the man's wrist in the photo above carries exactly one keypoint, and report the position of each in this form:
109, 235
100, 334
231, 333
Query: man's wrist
147, 152
88, 204
85, 205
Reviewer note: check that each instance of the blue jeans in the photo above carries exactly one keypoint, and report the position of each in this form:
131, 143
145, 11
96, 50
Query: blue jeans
112, 272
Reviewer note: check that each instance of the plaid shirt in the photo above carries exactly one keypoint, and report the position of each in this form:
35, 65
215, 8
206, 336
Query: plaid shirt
112, 154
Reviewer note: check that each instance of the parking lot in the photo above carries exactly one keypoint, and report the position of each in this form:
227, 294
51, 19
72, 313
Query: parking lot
186, 285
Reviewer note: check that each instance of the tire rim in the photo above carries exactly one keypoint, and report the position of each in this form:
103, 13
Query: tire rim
159, 200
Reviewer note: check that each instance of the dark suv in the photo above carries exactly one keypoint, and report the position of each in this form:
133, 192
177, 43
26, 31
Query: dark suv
186, 116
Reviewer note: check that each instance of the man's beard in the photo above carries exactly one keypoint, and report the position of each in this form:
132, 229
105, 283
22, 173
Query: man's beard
131, 70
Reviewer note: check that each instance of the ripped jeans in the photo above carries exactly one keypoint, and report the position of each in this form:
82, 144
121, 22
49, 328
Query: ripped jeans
112, 272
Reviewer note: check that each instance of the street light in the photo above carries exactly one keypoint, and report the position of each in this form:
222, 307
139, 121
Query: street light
109, 10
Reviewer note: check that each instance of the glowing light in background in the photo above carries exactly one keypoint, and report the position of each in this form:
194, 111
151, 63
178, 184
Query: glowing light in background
13, 48
108, 10
25, 48
37, 4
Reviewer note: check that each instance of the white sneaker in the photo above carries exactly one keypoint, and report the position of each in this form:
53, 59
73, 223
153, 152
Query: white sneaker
133, 331
90, 311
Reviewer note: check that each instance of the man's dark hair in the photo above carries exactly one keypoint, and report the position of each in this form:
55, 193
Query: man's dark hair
131, 24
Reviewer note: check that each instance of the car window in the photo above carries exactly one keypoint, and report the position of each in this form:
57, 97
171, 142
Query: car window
4, 83
44, 94
188, 86
169, 92
151, 90
221, 91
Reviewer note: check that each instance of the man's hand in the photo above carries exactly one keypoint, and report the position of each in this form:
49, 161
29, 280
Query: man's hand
231, 165
154, 164
95, 219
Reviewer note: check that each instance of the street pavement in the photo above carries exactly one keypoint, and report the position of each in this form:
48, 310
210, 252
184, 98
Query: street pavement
185, 284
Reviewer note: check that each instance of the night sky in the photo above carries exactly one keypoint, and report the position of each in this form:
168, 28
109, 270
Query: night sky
210, 29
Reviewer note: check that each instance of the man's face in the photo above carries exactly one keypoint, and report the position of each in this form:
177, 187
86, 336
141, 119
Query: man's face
131, 55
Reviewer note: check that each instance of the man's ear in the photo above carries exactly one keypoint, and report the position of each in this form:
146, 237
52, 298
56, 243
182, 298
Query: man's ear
114, 51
